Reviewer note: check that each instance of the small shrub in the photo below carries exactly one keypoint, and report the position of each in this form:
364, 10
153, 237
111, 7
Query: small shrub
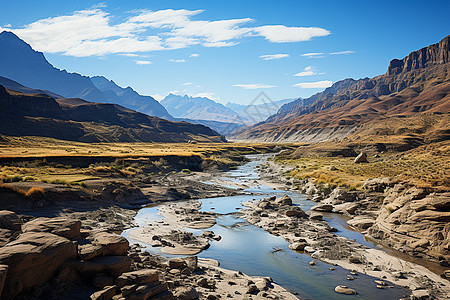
34, 191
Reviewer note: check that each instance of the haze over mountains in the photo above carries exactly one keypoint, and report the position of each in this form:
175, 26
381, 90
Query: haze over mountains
76, 119
21, 63
417, 84
222, 118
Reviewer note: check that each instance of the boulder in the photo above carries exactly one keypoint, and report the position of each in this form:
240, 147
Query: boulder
89, 251
285, 200
342, 289
155, 291
310, 189
112, 244
33, 259
361, 158
112, 265
377, 184
191, 262
361, 223
186, 293
323, 207
9, 220
177, 263
298, 246
339, 195
264, 204
296, 212
316, 216
68, 228
144, 276
105, 294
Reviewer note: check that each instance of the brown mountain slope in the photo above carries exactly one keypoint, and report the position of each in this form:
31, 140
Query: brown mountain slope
420, 83
80, 120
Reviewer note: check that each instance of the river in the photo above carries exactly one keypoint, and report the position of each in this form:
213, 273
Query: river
250, 249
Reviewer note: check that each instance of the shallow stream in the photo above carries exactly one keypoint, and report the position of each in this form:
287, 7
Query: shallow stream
250, 249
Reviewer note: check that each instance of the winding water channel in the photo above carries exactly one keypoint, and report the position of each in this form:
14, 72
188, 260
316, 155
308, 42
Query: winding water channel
249, 249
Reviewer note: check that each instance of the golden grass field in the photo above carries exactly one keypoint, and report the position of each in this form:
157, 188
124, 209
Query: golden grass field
42, 148
427, 166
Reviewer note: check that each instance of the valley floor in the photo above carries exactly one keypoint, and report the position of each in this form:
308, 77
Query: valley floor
102, 186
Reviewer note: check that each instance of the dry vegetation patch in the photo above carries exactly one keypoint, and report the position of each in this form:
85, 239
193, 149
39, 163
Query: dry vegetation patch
427, 166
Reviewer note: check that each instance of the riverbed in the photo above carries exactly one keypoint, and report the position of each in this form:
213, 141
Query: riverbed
250, 249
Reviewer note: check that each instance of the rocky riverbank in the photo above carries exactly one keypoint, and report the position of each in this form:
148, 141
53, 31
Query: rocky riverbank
69, 231
78, 262
406, 218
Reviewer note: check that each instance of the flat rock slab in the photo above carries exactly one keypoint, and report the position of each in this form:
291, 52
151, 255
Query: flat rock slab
201, 224
68, 228
182, 250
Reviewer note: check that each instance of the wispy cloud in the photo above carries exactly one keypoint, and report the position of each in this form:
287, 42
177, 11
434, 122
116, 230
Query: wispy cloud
187, 83
342, 52
273, 56
95, 32
254, 86
313, 55
194, 55
284, 34
314, 85
143, 62
308, 71
178, 60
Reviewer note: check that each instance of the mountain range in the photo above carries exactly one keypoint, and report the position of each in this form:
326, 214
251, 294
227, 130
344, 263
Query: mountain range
19, 62
75, 119
222, 118
416, 84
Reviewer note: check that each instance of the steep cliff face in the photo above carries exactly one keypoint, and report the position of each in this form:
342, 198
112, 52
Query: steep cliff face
420, 83
437, 54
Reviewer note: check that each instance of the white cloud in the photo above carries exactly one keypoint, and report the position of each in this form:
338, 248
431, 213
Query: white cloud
284, 34
129, 55
308, 71
342, 52
273, 56
143, 62
194, 55
95, 32
187, 83
313, 55
254, 86
7, 25
314, 85
178, 60
99, 5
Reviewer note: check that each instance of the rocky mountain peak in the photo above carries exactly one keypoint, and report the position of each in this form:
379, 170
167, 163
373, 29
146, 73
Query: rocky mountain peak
436, 54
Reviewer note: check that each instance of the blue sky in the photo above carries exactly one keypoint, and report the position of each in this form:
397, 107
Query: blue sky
227, 50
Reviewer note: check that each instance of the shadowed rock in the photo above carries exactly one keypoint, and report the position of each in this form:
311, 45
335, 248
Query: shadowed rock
33, 259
